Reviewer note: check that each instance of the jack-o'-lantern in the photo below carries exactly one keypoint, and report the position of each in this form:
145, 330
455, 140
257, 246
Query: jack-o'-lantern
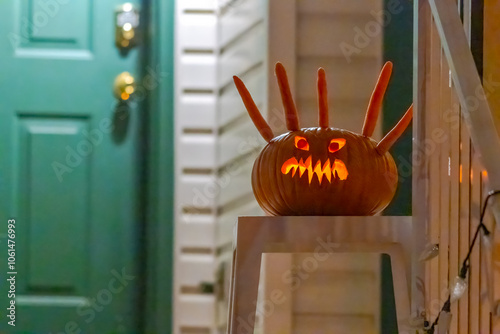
323, 170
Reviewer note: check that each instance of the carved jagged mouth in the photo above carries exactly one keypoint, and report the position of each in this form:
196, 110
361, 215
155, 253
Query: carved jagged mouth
328, 170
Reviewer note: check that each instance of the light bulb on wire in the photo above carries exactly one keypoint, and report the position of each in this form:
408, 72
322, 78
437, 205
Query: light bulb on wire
459, 285
445, 318
430, 251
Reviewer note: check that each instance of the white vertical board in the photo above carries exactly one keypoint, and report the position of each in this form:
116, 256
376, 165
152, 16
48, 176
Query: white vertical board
195, 165
243, 51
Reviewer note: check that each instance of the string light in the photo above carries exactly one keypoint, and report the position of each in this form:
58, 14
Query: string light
445, 319
486, 238
459, 285
430, 251
445, 309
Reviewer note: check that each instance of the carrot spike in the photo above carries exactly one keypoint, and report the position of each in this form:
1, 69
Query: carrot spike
253, 111
322, 99
376, 100
291, 117
390, 138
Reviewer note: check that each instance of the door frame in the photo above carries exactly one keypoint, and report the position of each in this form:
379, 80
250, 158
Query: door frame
158, 308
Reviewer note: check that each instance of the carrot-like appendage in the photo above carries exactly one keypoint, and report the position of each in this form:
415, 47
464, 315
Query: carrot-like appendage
322, 99
260, 123
376, 99
291, 116
390, 138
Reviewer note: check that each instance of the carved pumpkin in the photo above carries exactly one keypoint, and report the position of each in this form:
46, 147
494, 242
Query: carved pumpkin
323, 170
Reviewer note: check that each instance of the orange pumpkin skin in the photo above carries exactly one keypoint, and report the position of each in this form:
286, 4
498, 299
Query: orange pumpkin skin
366, 190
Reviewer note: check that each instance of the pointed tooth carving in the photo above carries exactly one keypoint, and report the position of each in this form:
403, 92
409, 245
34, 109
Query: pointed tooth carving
337, 169
302, 167
308, 164
310, 171
327, 170
318, 171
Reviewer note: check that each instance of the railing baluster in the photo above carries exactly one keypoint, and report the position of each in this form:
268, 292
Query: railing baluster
475, 108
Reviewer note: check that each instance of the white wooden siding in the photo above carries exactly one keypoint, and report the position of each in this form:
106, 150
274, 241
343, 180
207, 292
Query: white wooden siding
195, 165
216, 143
242, 51
215, 146
322, 27
343, 294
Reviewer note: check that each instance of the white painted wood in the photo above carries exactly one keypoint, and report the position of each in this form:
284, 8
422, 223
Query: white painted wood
230, 104
196, 230
282, 48
338, 7
322, 236
197, 32
449, 183
324, 30
337, 293
321, 27
195, 269
195, 160
242, 50
212, 128
281, 320
475, 107
238, 141
239, 18
196, 111
195, 190
237, 182
197, 5
342, 262
246, 52
305, 324
344, 113
199, 150
322, 34
197, 311
227, 221
420, 201
197, 72
349, 82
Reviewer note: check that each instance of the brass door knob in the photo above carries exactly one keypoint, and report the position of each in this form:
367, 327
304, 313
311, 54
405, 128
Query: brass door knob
124, 86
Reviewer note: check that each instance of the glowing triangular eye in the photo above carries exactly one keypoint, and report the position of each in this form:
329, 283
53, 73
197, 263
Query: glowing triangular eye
336, 144
301, 143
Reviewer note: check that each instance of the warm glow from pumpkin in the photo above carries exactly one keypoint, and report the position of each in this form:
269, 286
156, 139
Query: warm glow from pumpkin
336, 144
301, 143
337, 170
366, 193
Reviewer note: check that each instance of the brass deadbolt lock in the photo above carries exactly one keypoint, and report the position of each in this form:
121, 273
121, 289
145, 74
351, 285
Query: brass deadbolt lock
126, 26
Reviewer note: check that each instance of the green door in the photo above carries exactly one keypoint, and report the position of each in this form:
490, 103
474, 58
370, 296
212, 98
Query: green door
70, 163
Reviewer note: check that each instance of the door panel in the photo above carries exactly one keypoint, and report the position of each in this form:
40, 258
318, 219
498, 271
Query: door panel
69, 168
41, 222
